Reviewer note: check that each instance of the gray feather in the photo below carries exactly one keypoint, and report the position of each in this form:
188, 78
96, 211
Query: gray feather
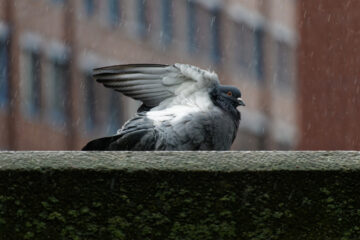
138, 83
142, 82
126, 76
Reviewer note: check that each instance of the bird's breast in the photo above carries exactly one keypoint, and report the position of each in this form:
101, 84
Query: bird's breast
172, 115
192, 124
180, 107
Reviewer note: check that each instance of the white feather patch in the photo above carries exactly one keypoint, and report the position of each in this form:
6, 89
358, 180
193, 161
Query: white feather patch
178, 108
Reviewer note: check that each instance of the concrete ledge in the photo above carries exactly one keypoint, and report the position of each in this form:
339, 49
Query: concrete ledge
229, 161
179, 195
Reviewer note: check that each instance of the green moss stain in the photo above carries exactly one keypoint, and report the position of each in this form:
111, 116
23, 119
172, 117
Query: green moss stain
178, 205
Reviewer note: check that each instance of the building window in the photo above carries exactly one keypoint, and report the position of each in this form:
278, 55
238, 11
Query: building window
114, 113
191, 26
245, 47
259, 54
58, 1
284, 64
142, 18
167, 21
90, 111
215, 36
4, 75
32, 82
89, 6
114, 12
250, 50
59, 91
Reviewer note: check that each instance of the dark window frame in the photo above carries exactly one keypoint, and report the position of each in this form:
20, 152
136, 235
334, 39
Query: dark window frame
4, 70
114, 12
90, 98
89, 7
115, 119
259, 53
284, 62
61, 2
250, 50
192, 41
60, 90
215, 25
167, 21
142, 18
33, 76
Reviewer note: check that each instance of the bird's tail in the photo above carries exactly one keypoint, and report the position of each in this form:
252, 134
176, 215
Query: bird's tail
100, 144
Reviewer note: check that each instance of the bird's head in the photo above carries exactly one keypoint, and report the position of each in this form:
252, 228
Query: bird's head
231, 95
227, 98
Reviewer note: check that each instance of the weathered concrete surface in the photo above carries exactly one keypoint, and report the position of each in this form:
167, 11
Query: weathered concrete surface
179, 195
229, 161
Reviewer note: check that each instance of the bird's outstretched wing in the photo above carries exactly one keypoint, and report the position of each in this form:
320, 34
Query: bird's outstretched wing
153, 83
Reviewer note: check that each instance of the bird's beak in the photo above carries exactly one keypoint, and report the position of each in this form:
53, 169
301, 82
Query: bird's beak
241, 102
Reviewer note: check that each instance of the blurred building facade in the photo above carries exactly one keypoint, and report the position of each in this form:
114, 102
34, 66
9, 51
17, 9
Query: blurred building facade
329, 75
48, 48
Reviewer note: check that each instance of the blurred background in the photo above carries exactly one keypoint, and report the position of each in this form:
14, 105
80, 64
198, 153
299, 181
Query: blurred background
297, 63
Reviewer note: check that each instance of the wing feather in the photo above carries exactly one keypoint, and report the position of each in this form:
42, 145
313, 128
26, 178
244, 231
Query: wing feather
143, 91
126, 76
125, 84
141, 87
153, 83
149, 95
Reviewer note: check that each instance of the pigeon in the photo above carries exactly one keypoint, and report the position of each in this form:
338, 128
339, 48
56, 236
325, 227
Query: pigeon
184, 108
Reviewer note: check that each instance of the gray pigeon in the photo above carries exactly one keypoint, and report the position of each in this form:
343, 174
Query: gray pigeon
184, 108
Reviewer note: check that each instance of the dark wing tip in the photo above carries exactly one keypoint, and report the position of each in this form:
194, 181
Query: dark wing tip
131, 65
100, 144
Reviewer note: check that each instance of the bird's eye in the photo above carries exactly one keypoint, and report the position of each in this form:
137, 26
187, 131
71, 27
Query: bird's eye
229, 93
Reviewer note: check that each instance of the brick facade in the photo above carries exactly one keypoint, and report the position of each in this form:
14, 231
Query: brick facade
328, 82
245, 42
